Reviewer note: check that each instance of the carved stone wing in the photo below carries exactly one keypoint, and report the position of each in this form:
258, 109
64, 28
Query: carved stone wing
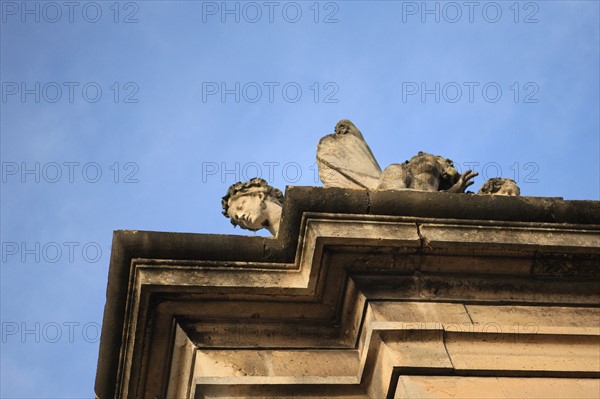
346, 161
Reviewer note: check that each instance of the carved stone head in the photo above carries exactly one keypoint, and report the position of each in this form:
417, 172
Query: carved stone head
500, 186
345, 126
449, 175
253, 205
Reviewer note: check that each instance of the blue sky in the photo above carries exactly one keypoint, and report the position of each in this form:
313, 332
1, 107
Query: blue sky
139, 116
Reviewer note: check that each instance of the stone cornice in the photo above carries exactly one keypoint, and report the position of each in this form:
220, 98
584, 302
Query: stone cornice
156, 278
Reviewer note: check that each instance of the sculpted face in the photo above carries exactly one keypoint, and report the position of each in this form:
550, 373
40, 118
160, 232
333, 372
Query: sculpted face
509, 188
249, 211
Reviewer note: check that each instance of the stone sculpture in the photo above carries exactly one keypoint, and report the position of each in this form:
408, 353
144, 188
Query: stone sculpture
345, 160
253, 205
500, 186
425, 172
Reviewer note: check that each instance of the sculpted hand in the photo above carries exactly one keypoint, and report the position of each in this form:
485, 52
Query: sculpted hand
463, 182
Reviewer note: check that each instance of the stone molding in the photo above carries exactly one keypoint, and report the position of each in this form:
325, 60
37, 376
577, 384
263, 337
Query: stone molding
174, 299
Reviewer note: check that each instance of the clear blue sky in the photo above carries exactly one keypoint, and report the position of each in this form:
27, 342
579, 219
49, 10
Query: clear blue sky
140, 115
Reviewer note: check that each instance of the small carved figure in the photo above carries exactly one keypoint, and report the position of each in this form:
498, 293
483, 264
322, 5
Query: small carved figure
425, 172
253, 205
500, 186
345, 159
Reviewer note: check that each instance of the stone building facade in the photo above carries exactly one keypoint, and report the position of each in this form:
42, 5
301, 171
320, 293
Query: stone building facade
363, 294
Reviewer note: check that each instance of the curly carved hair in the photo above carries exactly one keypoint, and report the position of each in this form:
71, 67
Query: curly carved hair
494, 185
253, 186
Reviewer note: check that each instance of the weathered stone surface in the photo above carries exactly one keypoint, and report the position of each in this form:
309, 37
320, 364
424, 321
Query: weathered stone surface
417, 348
448, 387
276, 367
345, 162
413, 314
345, 159
473, 260
514, 388
567, 265
534, 319
531, 352
492, 387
